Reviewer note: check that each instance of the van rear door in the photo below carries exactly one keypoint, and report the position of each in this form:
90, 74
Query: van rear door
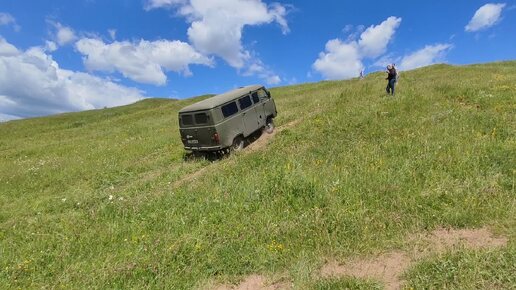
197, 130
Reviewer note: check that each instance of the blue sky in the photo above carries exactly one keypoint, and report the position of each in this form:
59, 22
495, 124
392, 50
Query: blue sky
71, 55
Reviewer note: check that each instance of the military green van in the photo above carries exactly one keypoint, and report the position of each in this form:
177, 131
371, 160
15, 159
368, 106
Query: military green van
224, 121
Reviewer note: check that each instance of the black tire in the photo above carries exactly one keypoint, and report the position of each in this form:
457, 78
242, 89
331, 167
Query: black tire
238, 143
269, 126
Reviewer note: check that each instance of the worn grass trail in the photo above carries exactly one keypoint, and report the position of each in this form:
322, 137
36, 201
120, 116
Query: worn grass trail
98, 200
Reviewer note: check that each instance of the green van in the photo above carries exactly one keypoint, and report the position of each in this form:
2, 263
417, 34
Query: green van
224, 121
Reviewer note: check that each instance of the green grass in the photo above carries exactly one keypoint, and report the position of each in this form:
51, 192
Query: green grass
87, 200
466, 270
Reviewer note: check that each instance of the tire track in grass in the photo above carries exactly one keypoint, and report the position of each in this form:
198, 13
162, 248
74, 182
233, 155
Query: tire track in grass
258, 144
256, 282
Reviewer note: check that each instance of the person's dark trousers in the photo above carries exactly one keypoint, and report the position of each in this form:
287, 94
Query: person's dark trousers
390, 86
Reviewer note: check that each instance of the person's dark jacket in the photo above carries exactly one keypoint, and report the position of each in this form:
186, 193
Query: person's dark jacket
392, 74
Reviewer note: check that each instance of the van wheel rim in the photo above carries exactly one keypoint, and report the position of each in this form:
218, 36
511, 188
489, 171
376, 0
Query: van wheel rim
238, 143
269, 127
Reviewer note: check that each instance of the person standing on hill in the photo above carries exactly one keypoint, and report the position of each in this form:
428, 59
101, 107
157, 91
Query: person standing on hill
392, 77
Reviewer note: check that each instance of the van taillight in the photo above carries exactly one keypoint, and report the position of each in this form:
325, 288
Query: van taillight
216, 138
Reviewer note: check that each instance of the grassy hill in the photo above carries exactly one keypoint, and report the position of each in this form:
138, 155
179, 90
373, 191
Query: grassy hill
106, 199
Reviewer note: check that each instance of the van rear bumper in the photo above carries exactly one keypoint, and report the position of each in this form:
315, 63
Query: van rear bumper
204, 148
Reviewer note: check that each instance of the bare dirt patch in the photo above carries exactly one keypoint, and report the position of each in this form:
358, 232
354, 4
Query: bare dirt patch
255, 282
388, 267
441, 240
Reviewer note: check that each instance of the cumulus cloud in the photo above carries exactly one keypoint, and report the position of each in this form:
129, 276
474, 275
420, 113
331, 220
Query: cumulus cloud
485, 17
430, 54
63, 34
339, 61
373, 41
8, 19
33, 84
217, 26
344, 59
7, 49
143, 61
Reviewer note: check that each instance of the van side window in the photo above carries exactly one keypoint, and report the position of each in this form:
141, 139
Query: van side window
187, 120
256, 99
229, 109
262, 94
201, 118
245, 102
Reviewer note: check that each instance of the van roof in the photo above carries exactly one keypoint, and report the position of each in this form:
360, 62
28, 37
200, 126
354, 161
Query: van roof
218, 100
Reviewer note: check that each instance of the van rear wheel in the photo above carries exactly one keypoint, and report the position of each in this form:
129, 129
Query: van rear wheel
238, 143
269, 126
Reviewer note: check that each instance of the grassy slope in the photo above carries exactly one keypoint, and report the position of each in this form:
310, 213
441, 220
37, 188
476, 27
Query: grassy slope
88, 199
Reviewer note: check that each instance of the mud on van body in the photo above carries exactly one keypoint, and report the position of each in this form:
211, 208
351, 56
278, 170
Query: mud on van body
224, 121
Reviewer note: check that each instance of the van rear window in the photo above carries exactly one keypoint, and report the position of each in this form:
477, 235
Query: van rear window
187, 120
245, 102
201, 118
229, 109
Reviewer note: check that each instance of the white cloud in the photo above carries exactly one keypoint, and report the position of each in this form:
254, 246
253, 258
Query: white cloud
7, 117
7, 49
8, 19
385, 60
343, 59
340, 61
217, 26
50, 46
373, 41
262, 71
63, 34
486, 16
430, 54
143, 62
112, 33
33, 84
151, 4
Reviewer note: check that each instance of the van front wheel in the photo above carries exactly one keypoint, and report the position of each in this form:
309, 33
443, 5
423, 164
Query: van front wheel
269, 126
238, 143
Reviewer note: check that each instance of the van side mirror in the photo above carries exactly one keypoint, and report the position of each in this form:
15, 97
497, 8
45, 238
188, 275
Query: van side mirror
268, 94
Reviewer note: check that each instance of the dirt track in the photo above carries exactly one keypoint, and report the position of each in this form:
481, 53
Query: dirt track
387, 268
258, 144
